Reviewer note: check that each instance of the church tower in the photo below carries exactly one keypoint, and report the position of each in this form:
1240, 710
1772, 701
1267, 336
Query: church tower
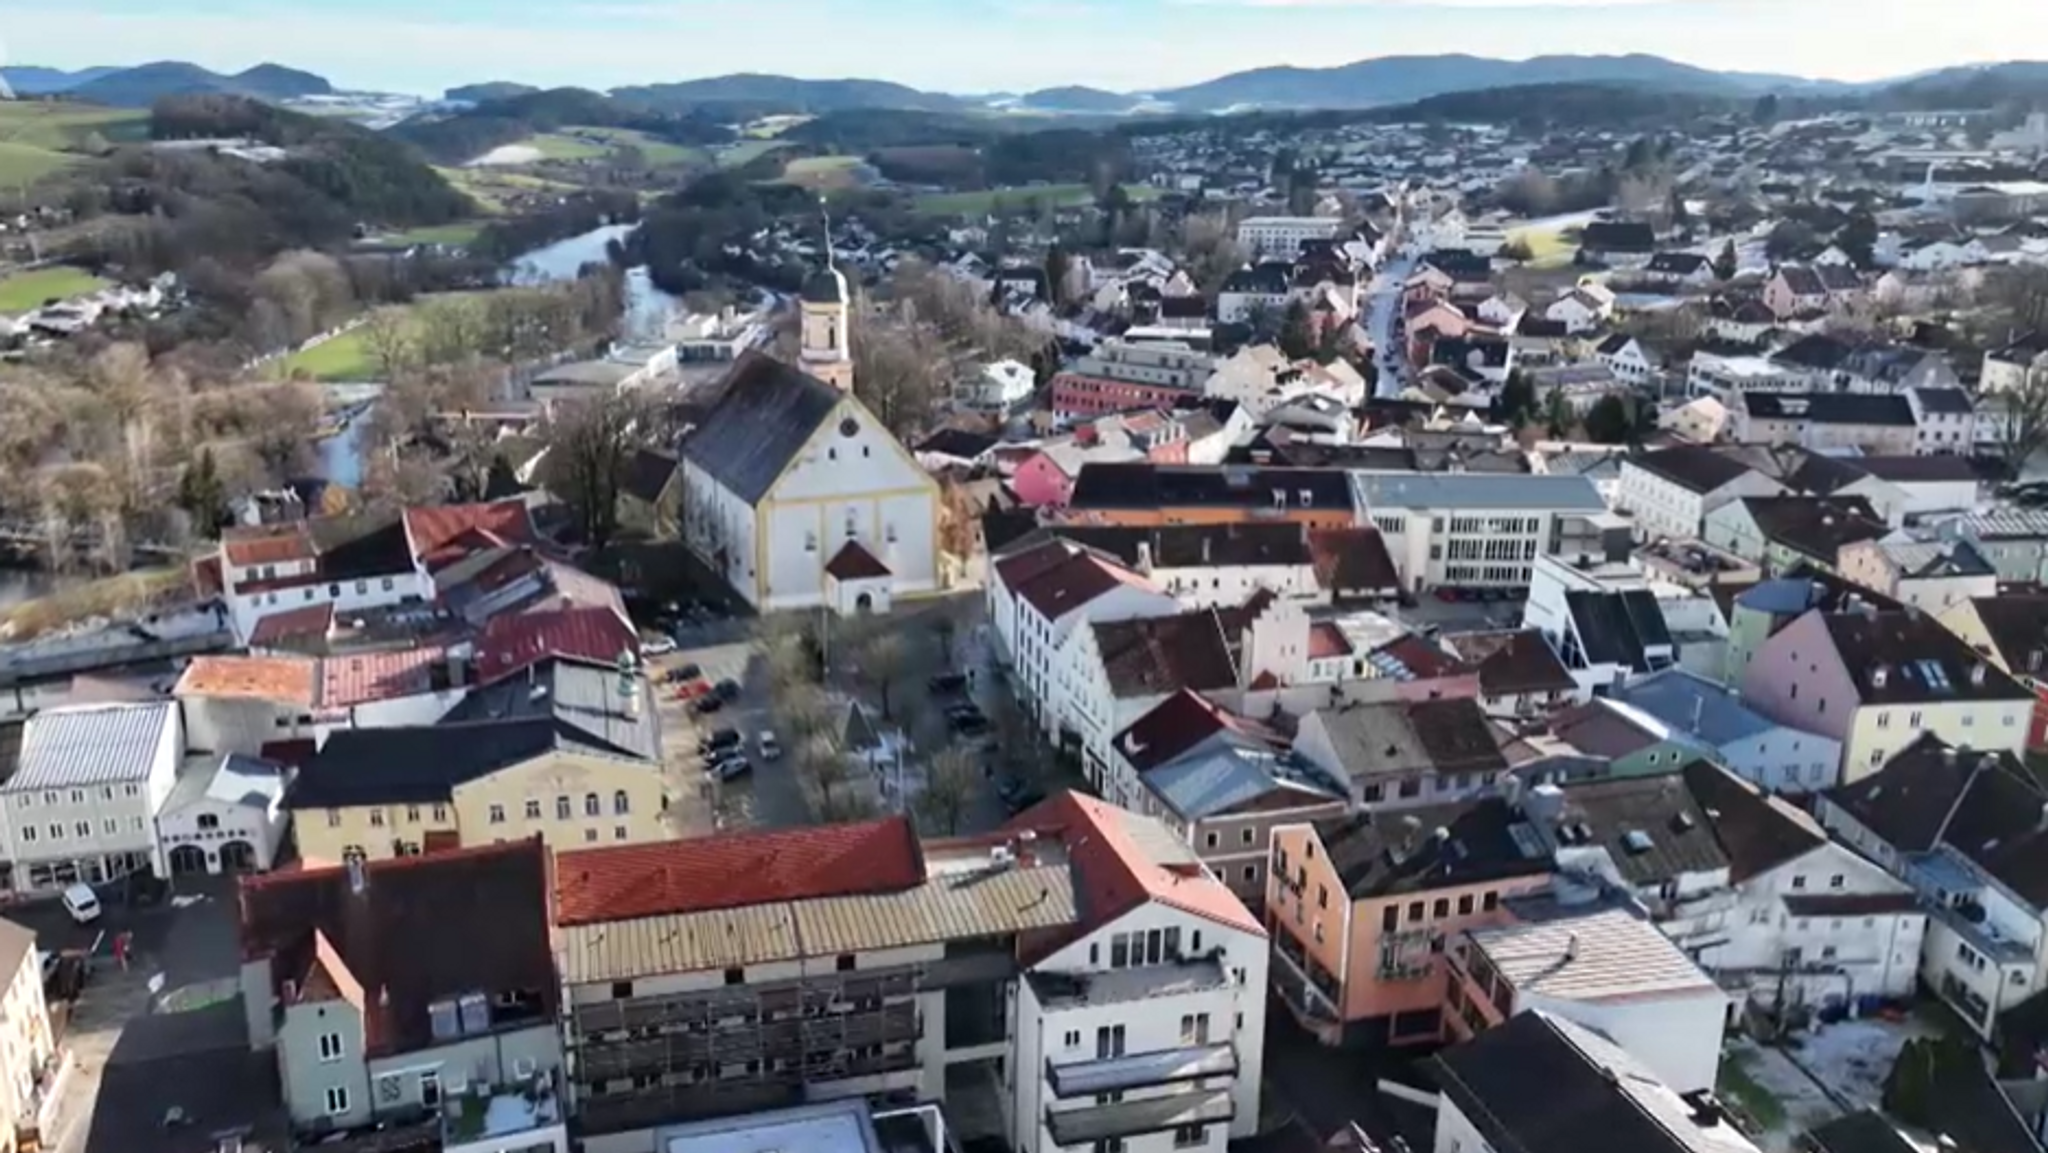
827, 311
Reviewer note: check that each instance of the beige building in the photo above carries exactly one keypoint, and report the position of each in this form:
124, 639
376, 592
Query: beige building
28, 1054
571, 755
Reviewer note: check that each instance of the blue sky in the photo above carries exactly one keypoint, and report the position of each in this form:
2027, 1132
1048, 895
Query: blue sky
987, 45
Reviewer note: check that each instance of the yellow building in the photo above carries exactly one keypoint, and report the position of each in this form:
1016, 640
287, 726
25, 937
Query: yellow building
571, 754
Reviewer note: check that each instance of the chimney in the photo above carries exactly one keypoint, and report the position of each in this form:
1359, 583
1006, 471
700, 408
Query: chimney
1205, 548
1145, 557
1879, 676
1977, 674
1545, 804
629, 686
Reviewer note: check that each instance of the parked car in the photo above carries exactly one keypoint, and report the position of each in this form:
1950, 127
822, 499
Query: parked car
708, 704
968, 723
657, 646
719, 739
1021, 797
771, 749
727, 690
733, 769
82, 903
688, 672
947, 682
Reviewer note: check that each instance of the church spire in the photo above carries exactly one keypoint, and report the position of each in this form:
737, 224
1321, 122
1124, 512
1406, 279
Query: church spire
825, 304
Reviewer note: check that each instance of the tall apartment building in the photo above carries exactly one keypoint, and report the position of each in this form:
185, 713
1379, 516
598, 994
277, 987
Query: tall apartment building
1126, 374
1075, 979
1483, 531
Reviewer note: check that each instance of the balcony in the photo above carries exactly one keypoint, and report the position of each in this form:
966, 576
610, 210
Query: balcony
1127, 1119
505, 1117
1140, 1070
791, 1040
414, 1136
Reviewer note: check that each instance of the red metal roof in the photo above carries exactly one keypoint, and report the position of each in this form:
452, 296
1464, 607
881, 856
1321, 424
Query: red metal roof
310, 621
513, 641
359, 678
733, 870
1327, 640
269, 544
442, 535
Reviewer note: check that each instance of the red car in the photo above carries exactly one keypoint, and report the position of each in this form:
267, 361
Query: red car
691, 690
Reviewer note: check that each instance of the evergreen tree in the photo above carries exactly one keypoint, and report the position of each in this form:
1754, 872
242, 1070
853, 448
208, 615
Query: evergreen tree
202, 495
1057, 264
1766, 110
1517, 400
1724, 264
1610, 420
1297, 335
1858, 238
1681, 216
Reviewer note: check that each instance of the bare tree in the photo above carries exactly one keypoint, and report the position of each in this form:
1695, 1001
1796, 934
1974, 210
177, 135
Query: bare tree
950, 782
829, 781
590, 447
2022, 420
785, 647
392, 345
883, 659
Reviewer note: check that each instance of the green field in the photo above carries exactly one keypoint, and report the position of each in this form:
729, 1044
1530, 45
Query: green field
482, 185
1018, 199
27, 291
743, 151
563, 146
348, 357
1548, 247
450, 234
821, 172
37, 138
658, 152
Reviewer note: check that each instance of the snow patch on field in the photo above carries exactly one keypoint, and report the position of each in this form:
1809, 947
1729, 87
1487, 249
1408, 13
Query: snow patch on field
507, 154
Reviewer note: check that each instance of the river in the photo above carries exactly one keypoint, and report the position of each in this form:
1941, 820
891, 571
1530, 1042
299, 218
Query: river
646, 319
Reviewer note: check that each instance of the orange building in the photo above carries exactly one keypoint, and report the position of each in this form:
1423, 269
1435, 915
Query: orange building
1144, 493
1359, 908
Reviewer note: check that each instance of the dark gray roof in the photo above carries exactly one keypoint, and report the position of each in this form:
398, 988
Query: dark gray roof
1197, 545
648, 474
1616, 628
825, 286
1947, 401
1537, 1083
1694, 468
586, 698
1618, 236
1380, 854
1831, 407
768, 413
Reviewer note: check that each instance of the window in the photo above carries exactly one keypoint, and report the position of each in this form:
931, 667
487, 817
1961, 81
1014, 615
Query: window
110, 825
82, 828
1212, 838
207, 821
1415, 912
1322, 896
330, 1047
1109, 1041
78, 796
28, 832
590, 836
1465, 905
735, 976
1836, 881
844, 963
337, 1100
440, 813
1441, 908
1194, 1029
56, 831
591, 808
621, 804
497, 814
1120, 951
1489, 902
1190, 1136
618, 832
377, 818
1799, 880
1072, 1039
532, 809
563, 810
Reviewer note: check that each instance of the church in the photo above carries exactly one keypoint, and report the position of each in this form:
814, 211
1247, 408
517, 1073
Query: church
795, 493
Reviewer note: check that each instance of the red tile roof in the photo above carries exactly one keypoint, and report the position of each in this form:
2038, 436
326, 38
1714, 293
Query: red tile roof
282, 679
443, 535
732, 870
1113, 874
269, 544
1327, 640
854, 563
1027, 565
1423, 659
514, 641
1076, 581
309, 621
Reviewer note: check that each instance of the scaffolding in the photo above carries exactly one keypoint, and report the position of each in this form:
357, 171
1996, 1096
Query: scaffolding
641, 1060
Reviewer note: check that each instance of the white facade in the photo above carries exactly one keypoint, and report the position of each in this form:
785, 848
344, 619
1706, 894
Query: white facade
257, 591
1186, 1021
1283, 235
83, 803
1002, 385
1664, 508
1628, 363
229, 816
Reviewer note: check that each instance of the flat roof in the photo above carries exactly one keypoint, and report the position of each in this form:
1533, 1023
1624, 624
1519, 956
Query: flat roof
1477, 491
1600, 954
833, 1127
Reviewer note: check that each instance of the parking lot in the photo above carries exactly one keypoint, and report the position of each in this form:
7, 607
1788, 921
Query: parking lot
182, 973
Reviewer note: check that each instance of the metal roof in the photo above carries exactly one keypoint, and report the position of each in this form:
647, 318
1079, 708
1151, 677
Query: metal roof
1691, 704
949, 906
1595, 955
1477, 491
92, 745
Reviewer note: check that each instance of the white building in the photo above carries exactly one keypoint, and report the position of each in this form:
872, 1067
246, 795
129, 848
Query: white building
1669, 492
1598, 966
1003, 385
798, 497
1145, 1025
82, 803
1283, 236
1712, 374
1039, 597
1624, 357
1481, 530
226, 815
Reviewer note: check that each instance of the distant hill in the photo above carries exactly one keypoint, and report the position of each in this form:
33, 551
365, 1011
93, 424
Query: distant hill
2022, 83
461, 137
1401, 79
1075, 98
145, 84
789, 94
487, 92
31, 80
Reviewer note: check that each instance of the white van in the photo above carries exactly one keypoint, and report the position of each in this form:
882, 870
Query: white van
82, 903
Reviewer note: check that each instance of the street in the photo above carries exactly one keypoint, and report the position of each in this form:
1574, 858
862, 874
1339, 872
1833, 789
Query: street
1383, 312
1325, 1090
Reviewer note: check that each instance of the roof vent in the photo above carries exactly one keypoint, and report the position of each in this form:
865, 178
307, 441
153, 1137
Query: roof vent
1977, 674
1637, 841
1879, 677
1682, 821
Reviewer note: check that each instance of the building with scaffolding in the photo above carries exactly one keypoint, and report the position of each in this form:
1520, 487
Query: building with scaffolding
1075, 977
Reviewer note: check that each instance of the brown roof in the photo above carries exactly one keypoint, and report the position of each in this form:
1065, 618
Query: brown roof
1179, 723
311, 621
854, 563
1521, 661
1151, 655
1352, 558
268, 544
1599, 731
1908, 657
283, 679
1073, 582
733, 870
2018, 629
442, 535
1757, 831
423, 929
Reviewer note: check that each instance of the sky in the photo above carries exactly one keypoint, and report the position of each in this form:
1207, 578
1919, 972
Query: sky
972, 46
